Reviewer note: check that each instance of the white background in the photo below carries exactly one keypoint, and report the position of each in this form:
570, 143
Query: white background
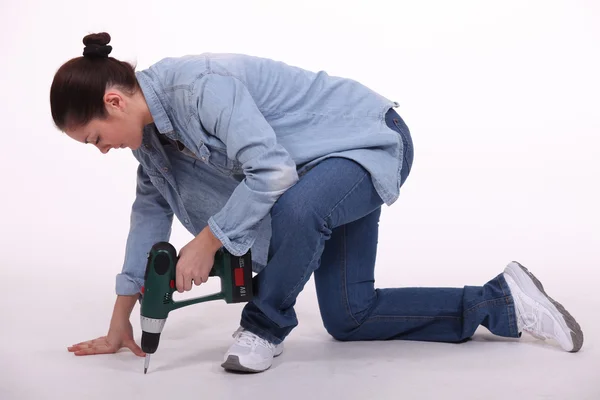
502, 102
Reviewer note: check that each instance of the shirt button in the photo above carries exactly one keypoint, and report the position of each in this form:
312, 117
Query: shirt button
203, 158
165, 169
187, 221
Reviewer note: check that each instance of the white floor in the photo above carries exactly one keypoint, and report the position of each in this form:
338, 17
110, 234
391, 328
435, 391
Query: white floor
38, 326
502, 102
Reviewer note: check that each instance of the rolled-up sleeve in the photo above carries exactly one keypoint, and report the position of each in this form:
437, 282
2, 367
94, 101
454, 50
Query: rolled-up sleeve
228, 111
150, 222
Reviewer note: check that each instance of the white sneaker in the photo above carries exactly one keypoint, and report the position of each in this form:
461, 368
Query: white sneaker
537, 313
250, 353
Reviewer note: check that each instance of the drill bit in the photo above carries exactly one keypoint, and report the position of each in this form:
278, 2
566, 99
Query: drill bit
146, 363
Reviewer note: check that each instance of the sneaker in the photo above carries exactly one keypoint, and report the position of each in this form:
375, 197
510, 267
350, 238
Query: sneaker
250, 353
537, 313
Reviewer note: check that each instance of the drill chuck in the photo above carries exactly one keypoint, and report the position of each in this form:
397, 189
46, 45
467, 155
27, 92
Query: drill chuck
150, 342
151, 330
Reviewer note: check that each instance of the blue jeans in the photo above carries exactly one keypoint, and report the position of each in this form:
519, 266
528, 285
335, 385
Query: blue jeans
327, 225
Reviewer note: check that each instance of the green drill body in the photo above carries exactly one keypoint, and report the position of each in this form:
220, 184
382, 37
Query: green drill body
159, 284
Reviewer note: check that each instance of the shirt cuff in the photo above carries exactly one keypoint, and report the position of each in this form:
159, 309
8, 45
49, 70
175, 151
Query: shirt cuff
235, 248
127, 285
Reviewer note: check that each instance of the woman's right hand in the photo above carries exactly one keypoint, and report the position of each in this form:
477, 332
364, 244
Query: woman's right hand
120, 334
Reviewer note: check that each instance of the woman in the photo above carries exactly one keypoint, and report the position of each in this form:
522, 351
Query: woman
250, 153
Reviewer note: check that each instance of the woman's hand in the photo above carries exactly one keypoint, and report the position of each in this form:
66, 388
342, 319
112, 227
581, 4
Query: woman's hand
120, 332
119, 335
196, 259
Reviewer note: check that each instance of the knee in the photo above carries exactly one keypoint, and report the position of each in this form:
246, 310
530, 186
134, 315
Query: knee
340, 328
340, 334
348, 321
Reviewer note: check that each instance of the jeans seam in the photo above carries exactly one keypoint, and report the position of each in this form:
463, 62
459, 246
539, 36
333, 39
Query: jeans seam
405, 143
376, 317
485, 303
511, 311
352, 189
407, 148
293, 291
344, 278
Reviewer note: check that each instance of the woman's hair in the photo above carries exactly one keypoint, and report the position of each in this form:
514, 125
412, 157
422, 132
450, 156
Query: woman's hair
77, 91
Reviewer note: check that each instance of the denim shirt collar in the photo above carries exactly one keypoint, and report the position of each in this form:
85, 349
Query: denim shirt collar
159, 114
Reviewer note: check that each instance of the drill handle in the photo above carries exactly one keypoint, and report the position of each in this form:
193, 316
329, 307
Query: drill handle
235, 274
188, 302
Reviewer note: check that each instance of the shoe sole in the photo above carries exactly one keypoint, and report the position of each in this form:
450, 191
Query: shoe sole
572, 325
232, 363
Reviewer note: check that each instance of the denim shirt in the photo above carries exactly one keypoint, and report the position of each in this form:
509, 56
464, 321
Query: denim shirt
230, 134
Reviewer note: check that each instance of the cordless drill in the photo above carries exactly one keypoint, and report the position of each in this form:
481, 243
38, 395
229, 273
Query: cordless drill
159, 284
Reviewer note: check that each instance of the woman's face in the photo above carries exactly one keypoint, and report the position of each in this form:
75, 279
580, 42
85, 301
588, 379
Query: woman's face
122, 128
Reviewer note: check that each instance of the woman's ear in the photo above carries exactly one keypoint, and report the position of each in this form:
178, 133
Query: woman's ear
114, 101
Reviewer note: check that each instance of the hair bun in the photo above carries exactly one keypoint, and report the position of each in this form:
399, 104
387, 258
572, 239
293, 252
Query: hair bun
96, 45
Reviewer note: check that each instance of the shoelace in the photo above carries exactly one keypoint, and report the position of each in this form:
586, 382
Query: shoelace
534, 326
249, 339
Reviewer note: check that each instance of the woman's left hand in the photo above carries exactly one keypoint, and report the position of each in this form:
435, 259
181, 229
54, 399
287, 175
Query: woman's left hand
196, 259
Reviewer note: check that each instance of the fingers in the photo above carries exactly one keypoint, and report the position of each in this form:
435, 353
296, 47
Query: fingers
184, 277
86, 344
179, 280
199, 279
185, 280
97, 340
89, 349
196, 280
92, 350
187, 283
183, 283
81, 346
132, 345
